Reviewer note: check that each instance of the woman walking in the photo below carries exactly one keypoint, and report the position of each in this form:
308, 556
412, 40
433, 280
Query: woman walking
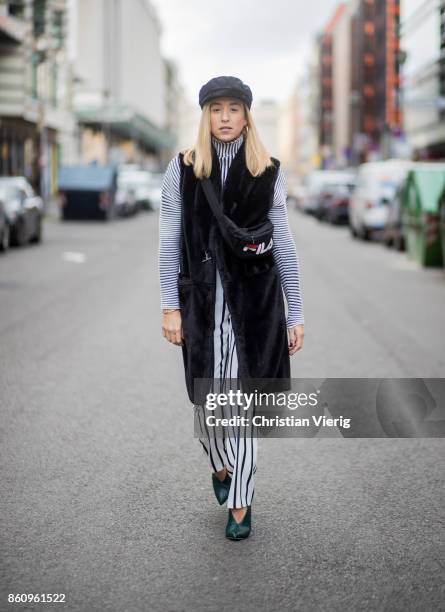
225, 310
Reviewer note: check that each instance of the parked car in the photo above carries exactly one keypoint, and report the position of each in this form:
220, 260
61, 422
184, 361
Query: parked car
318, 182
377, 183
297, 197
138, 187
4, 228
336, 205
23, 211
155, 190
392, 235
126, 201
312, 183
87, 192
442, 222
333, 201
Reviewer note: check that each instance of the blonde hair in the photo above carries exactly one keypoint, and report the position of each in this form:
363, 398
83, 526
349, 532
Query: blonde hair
200, 156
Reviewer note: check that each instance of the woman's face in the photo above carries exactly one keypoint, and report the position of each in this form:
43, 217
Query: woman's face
227, 118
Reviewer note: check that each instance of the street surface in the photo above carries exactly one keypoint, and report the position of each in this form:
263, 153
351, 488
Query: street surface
106, 496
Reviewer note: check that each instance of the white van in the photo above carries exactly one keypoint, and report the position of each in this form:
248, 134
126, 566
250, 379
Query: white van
377, 183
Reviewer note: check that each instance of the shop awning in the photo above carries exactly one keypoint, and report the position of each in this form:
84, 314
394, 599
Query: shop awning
123, 120
12, 29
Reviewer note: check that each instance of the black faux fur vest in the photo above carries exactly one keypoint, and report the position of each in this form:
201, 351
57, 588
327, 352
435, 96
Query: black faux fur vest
252, 289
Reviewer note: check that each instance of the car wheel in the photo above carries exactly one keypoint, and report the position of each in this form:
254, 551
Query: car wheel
21, 235
38, 235
18, 237
363, 233
399, 244
388, 241
4, 242
353, 232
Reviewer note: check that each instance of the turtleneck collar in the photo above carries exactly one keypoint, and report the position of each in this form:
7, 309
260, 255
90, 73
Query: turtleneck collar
227, 149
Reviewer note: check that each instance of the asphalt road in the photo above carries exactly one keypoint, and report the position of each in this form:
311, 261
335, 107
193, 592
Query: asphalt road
105, 494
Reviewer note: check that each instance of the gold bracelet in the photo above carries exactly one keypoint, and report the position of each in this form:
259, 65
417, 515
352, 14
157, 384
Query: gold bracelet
168, 310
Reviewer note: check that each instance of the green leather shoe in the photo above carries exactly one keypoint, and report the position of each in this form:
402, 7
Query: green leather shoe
239, 531
221, 488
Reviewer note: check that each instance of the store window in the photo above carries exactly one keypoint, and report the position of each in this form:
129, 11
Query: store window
16, 8
39, 17
58, 29
54, 84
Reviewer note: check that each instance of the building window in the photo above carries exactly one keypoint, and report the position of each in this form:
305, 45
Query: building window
442, 57
36, 74
368, 27
16, 8
368, 123
34, 80
58, 29
54, 84
39, 17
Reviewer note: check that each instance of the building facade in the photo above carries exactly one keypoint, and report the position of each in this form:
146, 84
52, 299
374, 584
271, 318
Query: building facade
36, 119
376, 117
81, 81
308, 114
121, 82
326, 122
423, 76
360, 108
267, 115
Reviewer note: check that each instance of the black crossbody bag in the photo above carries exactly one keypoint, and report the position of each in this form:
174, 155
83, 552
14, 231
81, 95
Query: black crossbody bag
246, 242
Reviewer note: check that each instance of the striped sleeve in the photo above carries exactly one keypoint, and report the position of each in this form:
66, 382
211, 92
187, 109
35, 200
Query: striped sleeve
170, 235
285, 253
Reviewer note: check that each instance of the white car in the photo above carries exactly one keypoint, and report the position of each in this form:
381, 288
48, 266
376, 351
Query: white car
23, 212
317, 180
133, 189
377, 183
155, 190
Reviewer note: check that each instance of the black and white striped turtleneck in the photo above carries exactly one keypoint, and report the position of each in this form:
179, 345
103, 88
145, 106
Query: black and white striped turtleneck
284, 249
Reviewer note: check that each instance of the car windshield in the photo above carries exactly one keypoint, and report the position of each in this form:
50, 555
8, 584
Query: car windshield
387, 188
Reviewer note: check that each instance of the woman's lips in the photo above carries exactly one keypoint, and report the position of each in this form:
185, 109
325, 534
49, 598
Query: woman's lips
225, 129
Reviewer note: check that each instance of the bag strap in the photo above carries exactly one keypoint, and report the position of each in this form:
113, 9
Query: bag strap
213, 201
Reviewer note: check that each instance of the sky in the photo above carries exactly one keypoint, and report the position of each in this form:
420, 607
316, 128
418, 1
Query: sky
263, 42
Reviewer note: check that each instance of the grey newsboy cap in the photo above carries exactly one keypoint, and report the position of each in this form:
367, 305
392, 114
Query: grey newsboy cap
225, 86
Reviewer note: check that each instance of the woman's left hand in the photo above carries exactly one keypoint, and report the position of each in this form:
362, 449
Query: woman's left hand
296, 336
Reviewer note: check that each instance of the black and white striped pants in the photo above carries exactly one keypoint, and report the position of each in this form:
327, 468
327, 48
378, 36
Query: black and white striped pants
237, 451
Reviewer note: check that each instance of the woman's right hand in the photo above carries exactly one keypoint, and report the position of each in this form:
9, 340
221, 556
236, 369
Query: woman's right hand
172, 327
